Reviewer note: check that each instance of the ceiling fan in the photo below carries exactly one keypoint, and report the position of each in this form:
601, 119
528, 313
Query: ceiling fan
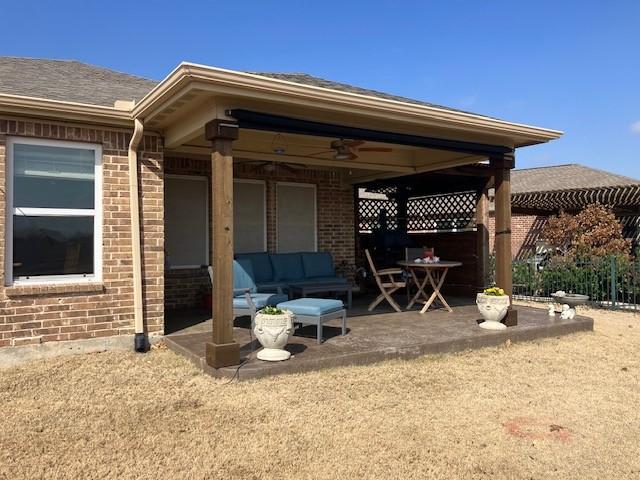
269, 167
347, 149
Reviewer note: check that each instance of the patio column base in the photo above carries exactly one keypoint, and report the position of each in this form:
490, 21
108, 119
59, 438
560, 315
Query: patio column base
220, 355
511, 319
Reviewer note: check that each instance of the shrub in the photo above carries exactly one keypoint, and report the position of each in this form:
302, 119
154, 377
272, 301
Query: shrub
593, 232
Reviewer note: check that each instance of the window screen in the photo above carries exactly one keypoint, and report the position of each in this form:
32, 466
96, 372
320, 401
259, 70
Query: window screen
186, 221
249, 212
296, 216
54, 224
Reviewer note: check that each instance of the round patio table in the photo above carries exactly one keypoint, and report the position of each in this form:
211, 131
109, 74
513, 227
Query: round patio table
435, 275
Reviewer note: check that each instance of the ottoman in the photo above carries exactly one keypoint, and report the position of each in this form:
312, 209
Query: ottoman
316, 311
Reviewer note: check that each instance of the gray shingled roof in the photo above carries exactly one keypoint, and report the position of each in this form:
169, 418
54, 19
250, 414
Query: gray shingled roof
565, 177
73, 81
70, 81
306, 79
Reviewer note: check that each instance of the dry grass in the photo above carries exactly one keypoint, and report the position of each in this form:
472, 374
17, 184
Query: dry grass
560, 408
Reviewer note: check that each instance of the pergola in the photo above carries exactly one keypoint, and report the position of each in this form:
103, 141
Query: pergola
226, 115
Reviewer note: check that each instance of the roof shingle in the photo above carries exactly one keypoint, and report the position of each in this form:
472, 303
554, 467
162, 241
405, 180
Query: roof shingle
565, 177
73, 81
70, 81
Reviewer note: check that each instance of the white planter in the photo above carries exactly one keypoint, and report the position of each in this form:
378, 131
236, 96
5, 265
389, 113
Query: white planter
493, 309
273, 333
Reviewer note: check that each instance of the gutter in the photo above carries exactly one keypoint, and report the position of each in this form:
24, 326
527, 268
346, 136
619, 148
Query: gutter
232, 82
141, 343
61, 110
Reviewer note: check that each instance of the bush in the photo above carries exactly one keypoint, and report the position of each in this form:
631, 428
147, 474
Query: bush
595, 232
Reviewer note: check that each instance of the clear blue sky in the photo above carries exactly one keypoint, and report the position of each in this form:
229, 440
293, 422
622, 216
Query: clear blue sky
568, 65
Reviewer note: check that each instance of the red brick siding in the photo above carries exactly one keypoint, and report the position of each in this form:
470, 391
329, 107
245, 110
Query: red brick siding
38, 314
335, 219
525, 231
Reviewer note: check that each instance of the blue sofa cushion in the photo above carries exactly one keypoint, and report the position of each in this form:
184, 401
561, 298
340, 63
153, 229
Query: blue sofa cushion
317, 264
312, 307
287, 267
261, 300
272, 286
262, 270
243, 276
320, 280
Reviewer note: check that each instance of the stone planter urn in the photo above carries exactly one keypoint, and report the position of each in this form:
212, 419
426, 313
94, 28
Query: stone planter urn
493, 309
273, 327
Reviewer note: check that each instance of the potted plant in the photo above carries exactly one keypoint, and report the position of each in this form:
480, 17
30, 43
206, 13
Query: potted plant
493, 305
204, 294
273, 328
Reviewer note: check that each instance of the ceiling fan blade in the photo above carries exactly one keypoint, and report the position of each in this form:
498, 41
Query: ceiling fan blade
375, 149
353, 143
320, 153
256, 163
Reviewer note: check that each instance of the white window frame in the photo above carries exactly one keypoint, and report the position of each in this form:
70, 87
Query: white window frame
96, 212
315, 211
264, 196
207, 246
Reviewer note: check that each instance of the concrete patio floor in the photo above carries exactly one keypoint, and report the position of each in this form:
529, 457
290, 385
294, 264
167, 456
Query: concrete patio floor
382, 335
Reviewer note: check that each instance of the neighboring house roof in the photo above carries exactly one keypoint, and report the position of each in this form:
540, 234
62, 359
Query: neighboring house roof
69, 81
73, 81
565, 177
571, 186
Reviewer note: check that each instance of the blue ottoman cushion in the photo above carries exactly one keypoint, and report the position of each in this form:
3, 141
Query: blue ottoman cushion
312, 307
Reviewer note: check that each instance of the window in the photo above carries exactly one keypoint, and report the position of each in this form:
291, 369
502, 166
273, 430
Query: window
54, 228
296, 217
186, 221
249, 216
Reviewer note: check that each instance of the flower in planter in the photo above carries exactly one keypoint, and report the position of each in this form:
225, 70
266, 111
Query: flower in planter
271, 310
494, 292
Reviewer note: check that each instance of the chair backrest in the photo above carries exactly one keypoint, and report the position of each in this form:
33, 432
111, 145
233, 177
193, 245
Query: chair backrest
371, 265
243, 277
411, 253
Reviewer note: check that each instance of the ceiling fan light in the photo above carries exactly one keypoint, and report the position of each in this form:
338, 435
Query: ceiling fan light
342, 156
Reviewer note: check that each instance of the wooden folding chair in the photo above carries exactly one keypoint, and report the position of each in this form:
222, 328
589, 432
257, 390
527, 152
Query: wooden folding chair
386, 285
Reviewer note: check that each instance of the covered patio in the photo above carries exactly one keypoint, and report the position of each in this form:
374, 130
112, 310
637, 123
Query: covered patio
230, 126
384, 335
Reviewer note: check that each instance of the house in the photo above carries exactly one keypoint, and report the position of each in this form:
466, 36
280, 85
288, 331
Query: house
538, 193
118, 191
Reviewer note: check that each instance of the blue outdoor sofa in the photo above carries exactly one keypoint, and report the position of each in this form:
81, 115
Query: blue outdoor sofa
275, 272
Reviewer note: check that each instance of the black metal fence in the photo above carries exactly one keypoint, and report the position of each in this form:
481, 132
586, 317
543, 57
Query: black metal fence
610, 282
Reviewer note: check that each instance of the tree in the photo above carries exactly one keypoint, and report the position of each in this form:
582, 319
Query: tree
593, 232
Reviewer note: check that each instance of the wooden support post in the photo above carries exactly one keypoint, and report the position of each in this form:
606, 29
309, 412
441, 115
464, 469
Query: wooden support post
502, 181
222, 351
482, 238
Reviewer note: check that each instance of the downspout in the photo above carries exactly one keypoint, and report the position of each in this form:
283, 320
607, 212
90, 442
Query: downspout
140, 341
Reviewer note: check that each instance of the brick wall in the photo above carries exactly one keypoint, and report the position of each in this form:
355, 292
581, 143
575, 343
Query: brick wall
525, 231
36, 314
335, 218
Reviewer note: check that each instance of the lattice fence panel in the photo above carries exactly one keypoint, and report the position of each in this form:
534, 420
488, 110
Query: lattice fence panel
452, 211
369, 214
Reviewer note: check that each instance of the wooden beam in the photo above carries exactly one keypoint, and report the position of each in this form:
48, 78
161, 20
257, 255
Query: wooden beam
482, 239
502, 180
223, 350
278, 123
